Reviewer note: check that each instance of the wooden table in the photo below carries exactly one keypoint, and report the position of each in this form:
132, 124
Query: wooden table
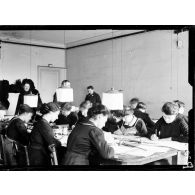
139, 160
176, 157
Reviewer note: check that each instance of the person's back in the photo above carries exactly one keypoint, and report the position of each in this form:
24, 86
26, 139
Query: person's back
17, 131
41, 137
83, 144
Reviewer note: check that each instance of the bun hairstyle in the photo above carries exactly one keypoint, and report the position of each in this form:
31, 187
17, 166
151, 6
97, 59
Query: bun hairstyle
179, 103
141, 105
170, 108
96, 110
24, 108
49, 107
66, 107
85, 105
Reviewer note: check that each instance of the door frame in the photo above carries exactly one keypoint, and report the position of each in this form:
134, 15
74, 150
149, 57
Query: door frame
39, 68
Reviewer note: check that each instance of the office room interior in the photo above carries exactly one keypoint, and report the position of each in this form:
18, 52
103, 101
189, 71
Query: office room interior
151, 65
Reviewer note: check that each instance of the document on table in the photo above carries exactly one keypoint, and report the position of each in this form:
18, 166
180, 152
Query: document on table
172, 144
126, 150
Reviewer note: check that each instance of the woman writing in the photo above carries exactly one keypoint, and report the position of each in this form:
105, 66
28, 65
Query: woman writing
42, 135
86, 142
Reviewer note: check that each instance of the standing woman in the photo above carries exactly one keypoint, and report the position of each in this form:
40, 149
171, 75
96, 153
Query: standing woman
42, 136
86, 143
27, 89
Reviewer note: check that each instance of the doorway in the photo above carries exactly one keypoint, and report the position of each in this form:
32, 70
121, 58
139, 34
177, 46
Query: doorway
49, 79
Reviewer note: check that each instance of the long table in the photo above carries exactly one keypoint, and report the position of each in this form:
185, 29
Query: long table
174, 156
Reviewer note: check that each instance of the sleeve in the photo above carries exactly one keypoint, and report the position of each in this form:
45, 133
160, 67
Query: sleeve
98, 99
141, 128
97, 139
54, 98
155, 129
24, 135
47, 132
73, 119
87, 98
20, 101
183, 132
150, 123
39, 101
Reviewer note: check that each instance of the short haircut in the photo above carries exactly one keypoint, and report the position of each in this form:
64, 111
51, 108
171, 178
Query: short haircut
85, 105
66, 106
179, 103
141, 105
128, 111
117, 113
170, 108
96, 110
24, 108
65, 81
49, 107
134, 100
90, 87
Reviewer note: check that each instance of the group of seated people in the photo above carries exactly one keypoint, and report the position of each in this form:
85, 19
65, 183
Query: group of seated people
86, 143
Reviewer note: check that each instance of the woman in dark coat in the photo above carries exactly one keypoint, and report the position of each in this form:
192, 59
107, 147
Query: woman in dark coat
42, 136
86, 143
28, 88
17, 131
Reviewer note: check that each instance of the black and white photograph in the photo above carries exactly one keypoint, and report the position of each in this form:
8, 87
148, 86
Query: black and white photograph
96, 97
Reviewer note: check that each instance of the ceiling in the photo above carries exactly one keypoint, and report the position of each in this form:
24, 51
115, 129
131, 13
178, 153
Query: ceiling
60, 38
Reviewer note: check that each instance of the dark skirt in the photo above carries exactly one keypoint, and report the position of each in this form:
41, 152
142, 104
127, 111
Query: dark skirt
39, 157
72, 158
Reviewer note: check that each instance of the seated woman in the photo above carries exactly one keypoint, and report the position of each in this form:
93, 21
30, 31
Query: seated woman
86, 144
2, 120
17, 131
170, 125
114, 122
17, 128
28, 88
67, 116
181, 107
42, 136
140, 112
83, 109
132, 125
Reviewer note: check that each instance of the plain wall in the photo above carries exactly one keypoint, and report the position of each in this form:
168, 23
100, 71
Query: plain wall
21, 61
149, 66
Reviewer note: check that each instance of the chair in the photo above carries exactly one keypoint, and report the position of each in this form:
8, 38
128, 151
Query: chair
14, 152
2, 151
54, 160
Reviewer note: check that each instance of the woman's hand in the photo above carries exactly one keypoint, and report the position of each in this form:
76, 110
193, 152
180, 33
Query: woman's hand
154, 137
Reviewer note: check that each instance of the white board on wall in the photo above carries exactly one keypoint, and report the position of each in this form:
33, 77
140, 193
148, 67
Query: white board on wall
13, 99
